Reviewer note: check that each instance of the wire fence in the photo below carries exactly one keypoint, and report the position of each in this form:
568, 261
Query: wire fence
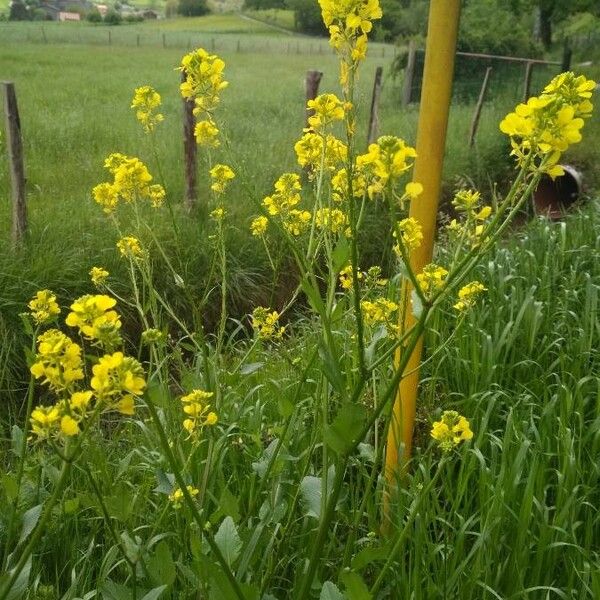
132, 36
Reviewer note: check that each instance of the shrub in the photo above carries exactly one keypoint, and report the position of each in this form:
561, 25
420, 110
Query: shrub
94, 16
192, 8
112, 17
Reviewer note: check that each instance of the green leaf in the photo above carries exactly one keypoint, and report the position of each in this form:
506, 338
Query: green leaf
114, 591
346, 427
20, 586
71, 505
229, 504
155, 593
313, 295
166, 482
251, 368
228, 540
30, 519
158, 394
161, 566
261, 465
120, 503
16, 435
221, 588
368, 555
356, 589
9, 485
341, 255
311, 489
417, 305
330, 591
331, 369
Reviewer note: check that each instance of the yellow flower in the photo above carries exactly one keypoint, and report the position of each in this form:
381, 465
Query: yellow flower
80, 401
93, 316
413, 190
258, 227
220, 175
130, 247
107, 196
203, 80
58, 360
451, 430
206, 133
218, 213
156, 194
176, 496
286, 194
378, 312
152, 336
332, 219
45, 421
69, 426
197, 409
116, 376
411, 234
98, 275
43, 307
346, 279
326, 108
266, 324
146, 101
467, 295
296, 222
466, 200
432, 278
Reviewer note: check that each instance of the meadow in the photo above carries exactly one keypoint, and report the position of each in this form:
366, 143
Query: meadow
509, 514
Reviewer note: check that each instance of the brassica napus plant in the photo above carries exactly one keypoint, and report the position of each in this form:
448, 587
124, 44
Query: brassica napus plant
181, 383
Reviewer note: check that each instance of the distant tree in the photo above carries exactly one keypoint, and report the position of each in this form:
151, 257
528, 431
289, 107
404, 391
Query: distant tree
112, 17
94, 16
307, 16
264, 4
171, 8
192, 8
18, 11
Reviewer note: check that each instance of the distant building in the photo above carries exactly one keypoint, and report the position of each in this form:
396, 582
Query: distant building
69, 16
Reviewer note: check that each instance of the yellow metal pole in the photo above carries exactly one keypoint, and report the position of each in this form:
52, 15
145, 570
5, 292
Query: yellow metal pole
431, 139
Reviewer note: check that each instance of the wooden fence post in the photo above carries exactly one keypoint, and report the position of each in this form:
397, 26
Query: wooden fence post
190, 150
313, 78
14, 145
374, 117
109, 37
164, 38
138, 40
567, 54
527, 81
478, 107
409, 74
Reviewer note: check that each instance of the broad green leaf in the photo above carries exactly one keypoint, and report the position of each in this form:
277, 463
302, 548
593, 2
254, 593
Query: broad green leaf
71, 505
331, 369
155, 593
16, 434
158, 394
221, 588
20, 586
161, 566
417, 305
346, 427
9, 485
356, 589
330, 591
251, 368
114, 591
313, 295
30, 519
228, 540
341, 254
311, 491
368, 555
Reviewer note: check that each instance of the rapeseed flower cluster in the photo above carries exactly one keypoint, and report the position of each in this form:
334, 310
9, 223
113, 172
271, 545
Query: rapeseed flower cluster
333, 220
384, 164
380, 312
131, 183
259, 225
266, 324
98, 275
43, 307
203, 84
95, 319
467, 295
146, 102
176, 496
197, 409
220, 176
431, 279
473, 218
309, 152
59, 363
545, 126
326, 109
410, 234
130, 247
451, 430
348, 22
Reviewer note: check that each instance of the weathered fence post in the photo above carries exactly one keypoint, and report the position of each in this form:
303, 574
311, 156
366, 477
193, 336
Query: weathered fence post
189, 151
374, 116
409, 74
138, 40
527, 81
313, 78
238, 49
14, 145
478, 107
109, 37
44, 35
164, 38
